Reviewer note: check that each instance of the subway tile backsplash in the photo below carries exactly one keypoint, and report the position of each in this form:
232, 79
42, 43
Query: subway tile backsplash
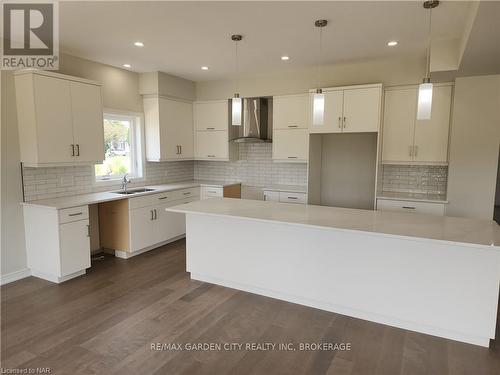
53, 182
427, 179
255, 167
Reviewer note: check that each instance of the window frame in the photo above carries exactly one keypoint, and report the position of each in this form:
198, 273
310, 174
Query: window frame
137, 149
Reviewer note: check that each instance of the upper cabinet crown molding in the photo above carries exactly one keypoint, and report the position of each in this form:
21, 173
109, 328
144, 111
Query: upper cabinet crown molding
407, 140
48, 73
60, 119
350, 109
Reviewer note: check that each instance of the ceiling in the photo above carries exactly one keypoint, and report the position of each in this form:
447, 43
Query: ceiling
180, 37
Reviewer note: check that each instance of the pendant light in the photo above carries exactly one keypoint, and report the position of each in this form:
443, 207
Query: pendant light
319, 97
424, 108
236, 103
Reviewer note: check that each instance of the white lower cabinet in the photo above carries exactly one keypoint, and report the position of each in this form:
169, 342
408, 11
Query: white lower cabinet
57, 241
285, 197
142, 228
211, 191
426, 208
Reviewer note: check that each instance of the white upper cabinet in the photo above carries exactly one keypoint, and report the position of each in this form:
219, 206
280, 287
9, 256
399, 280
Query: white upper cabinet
362, 110
86, 105
59, 119
350, 109
211, 135
406, 139
400, 108
291, 112
291, 145
168, 128
211, 115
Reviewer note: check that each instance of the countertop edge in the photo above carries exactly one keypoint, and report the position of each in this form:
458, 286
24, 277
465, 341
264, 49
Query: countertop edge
324, 227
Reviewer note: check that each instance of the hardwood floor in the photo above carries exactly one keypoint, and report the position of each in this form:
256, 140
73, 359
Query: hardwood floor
106, 321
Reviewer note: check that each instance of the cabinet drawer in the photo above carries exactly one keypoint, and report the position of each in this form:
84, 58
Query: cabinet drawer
149, 200
210, 191
273, 196
426, 208
69, 215
287, 197
187, 193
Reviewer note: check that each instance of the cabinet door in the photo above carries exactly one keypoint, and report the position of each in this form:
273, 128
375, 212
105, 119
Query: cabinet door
142, 233
74, 242
399, 119
171, 224
176, 129
290, 111
88, 129
333, 113
211, 145
431, 136
211, 116
54, 120
291, 145
362, 110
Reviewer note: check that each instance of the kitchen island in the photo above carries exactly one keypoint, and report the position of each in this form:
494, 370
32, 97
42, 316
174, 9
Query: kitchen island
430, 274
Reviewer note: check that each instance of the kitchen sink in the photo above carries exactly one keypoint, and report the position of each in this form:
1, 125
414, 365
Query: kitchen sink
133, 191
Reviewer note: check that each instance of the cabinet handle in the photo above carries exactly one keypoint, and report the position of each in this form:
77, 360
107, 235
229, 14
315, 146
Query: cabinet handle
211, 156
410, 150
213, 191
180, 149
161, 198
77, 150
76, 214
344, 124
409, 207
72, 150
156, 216
88, 230
293, 126
340, 122
152, 215
415, 150
187, 193
292, 157
292, 197
210, 128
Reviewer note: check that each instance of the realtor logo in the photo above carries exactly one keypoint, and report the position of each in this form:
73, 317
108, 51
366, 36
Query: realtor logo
31, 35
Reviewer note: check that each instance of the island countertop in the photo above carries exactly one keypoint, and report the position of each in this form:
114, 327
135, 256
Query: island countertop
484, 233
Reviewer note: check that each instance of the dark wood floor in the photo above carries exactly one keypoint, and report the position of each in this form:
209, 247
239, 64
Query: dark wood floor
105, 322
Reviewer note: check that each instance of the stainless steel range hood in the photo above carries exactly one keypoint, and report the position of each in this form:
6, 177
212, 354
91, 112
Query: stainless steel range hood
256, 124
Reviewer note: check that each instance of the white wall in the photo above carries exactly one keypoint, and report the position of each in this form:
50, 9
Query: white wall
409, 70
475, 139
13, 252
120, 91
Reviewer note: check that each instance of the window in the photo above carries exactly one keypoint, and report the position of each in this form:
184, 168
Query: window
122, 148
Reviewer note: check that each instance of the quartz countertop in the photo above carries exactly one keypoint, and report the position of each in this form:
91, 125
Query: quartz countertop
483, 233
413, 197
289, 188
106, 196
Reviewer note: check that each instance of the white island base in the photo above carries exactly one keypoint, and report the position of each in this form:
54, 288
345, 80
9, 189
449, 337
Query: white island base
436, 287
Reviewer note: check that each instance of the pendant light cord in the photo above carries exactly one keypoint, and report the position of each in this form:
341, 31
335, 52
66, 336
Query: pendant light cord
320, 56
429, 38
236, 68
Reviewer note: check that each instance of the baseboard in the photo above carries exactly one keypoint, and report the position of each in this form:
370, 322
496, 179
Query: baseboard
129, 254
14, 276
57, 279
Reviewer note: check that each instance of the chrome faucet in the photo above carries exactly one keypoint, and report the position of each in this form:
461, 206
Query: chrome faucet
125, 182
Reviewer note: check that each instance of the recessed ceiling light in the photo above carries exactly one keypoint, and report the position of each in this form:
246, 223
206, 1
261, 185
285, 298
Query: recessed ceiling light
204, 68
139, 44
127, 65
285, 58
392, 43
